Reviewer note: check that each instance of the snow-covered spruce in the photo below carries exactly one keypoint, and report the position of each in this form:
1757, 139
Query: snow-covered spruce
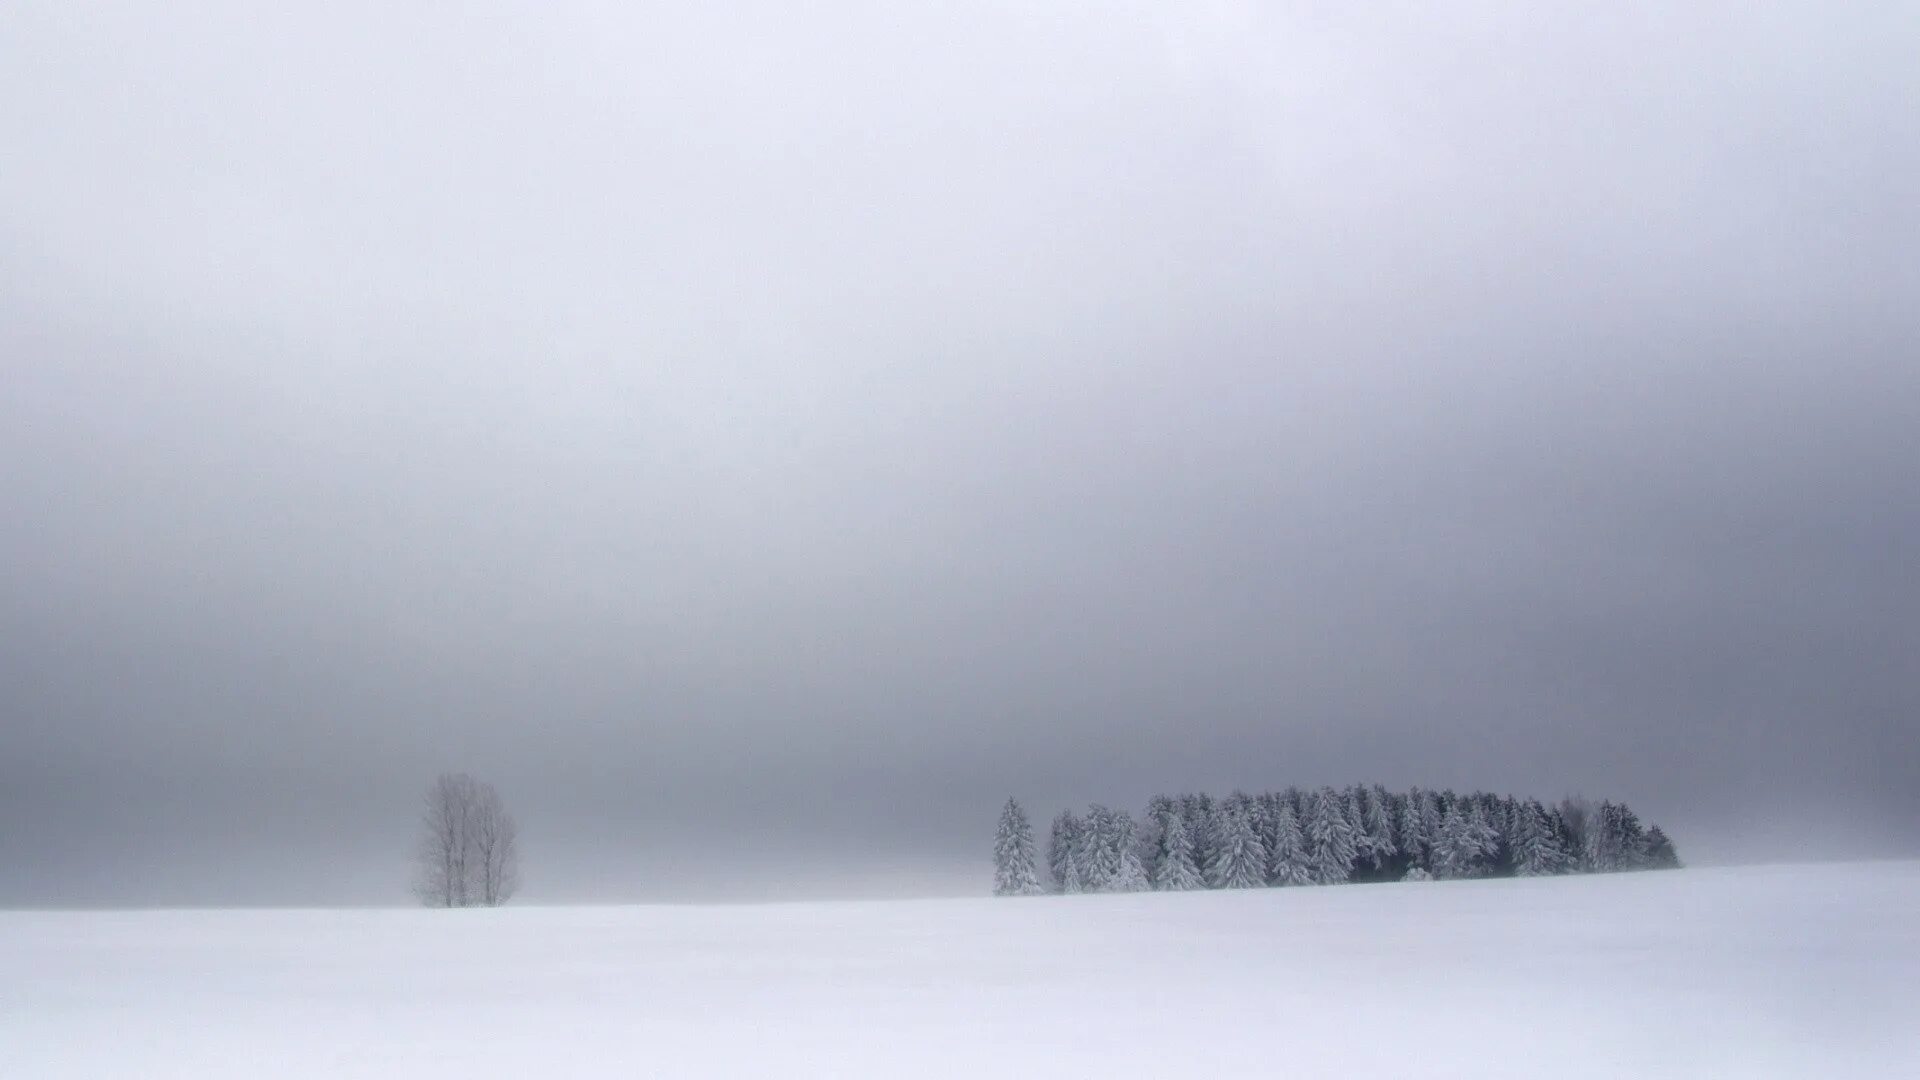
1538, 851
1330, 838
1456, 847
1173, 866
1062, 853
1239, 858
1128, 874
1014, 873
1287, 860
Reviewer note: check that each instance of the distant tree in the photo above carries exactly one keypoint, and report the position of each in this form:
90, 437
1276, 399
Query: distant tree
1456, 847
1239, 859
1288, 861
1537, 848
1329, 837
469, 850
1374, 848
496, 848
1557, 824
1489, 819
1631, 837
1063, 858
1105, 852
1098, 854
1350, 805
1415, 829
442, 866
1197, 812
1150, 836
1576, 816
1173, 866
1605, 851
1615, 839
1383, 823
1014, 873
1502, 815
1354, 799
1260, 814
1302, 803
1127, 873
1660, 853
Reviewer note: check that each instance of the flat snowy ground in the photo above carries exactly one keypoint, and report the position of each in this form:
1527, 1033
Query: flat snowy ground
1807, 971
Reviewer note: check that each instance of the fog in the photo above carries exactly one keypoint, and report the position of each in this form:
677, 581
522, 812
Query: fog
760, 441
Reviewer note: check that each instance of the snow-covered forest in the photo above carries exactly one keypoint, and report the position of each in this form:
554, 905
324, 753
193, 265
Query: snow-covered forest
1324, 837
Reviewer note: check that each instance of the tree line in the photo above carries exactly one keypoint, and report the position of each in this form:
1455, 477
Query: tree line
1327, 836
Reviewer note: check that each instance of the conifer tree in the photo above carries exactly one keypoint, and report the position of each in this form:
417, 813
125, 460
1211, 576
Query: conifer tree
1260, 811
1481, 813
1288, 862
1096, 855
1562, 832
1350, 804
1013, 860
1373, 841
1604, 854
1416, 830
1150, 839
1355, 799
1578, 819
1329, 838
1384, 823
1493, 828
1502, 856
1239, 859
1197, 812
1174, 869
1127, 873
1632, 838
1266, 816
1537, 850
1660, 853
1063, 858
1456, 850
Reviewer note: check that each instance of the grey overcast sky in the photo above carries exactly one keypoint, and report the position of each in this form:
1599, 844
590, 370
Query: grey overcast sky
761, 437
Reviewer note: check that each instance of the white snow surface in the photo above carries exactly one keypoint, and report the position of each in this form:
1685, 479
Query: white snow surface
1804, 971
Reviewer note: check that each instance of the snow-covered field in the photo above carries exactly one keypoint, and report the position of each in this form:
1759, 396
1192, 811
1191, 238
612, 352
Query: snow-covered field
1809, 971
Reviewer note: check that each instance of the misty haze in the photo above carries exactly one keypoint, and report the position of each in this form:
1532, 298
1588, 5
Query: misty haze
723, 491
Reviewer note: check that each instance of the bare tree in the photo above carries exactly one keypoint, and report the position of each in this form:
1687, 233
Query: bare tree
441, 865
468, 851
495, 849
